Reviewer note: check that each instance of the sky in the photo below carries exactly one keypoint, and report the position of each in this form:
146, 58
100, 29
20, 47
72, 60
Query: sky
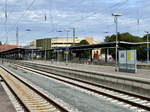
90, 18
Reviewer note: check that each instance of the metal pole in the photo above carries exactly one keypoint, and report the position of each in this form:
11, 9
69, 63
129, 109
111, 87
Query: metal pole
45, 47
74, 35
17, 39
147, 47
67, 36
32, 54
67, 50
116, 21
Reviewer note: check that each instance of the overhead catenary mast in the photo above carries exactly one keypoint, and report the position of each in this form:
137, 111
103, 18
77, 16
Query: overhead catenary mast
17, 35
5, 24
6, 11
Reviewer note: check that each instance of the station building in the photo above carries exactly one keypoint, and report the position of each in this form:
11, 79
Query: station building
30, 53
64, 42
59, 42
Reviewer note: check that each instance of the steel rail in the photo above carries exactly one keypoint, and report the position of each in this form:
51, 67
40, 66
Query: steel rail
15, 95
51, 102
43, 72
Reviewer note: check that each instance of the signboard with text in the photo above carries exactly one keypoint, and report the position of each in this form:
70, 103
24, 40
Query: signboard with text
122, 60
127, 61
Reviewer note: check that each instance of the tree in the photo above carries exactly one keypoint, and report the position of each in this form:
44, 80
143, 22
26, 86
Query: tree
127, 37
144, 47
83, 54
83, 42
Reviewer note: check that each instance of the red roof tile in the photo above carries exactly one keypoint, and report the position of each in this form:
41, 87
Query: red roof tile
7, 47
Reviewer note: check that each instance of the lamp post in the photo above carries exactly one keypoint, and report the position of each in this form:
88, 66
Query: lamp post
147, 46
116, 22
28, 30
67, 46
66, 55
45, 47
74, 35
67, 33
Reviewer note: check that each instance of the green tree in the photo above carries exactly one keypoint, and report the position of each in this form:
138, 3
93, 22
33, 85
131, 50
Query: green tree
144, 47
127, 37
83, 53
83, 42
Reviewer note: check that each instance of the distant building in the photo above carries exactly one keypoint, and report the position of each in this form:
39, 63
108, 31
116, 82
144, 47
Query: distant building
7, 47
91, 40
51, 43
61, 42
43, 44
32, 44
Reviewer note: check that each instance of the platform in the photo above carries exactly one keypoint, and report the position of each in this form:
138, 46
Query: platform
141, 73
5, 103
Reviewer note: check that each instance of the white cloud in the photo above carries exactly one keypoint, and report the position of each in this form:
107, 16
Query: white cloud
89, 17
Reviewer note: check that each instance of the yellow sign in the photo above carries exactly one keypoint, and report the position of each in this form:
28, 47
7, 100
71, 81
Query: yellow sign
129, 56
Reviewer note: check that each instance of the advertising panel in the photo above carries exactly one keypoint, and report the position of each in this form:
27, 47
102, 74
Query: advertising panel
122, 56
131, 61
127, 61
122, 60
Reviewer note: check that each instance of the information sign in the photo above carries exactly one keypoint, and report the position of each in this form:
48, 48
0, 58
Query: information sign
127, 61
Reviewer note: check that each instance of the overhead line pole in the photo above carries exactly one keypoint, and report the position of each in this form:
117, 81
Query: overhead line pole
17, 36
45, 44
147, 46
74, 36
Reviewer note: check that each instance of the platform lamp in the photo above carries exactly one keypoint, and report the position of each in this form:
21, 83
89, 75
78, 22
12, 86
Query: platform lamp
67, 46
116, 22
73, 35
28, 30
67, 31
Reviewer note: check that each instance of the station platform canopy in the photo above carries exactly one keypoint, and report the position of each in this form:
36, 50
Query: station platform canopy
101, 45
107, 45
13, 50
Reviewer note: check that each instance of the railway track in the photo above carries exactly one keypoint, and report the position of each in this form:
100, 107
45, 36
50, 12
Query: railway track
140, 103
30, 98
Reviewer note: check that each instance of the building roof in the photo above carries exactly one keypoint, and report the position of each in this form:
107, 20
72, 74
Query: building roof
107, 45
101, 45
7, 47
91, 40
